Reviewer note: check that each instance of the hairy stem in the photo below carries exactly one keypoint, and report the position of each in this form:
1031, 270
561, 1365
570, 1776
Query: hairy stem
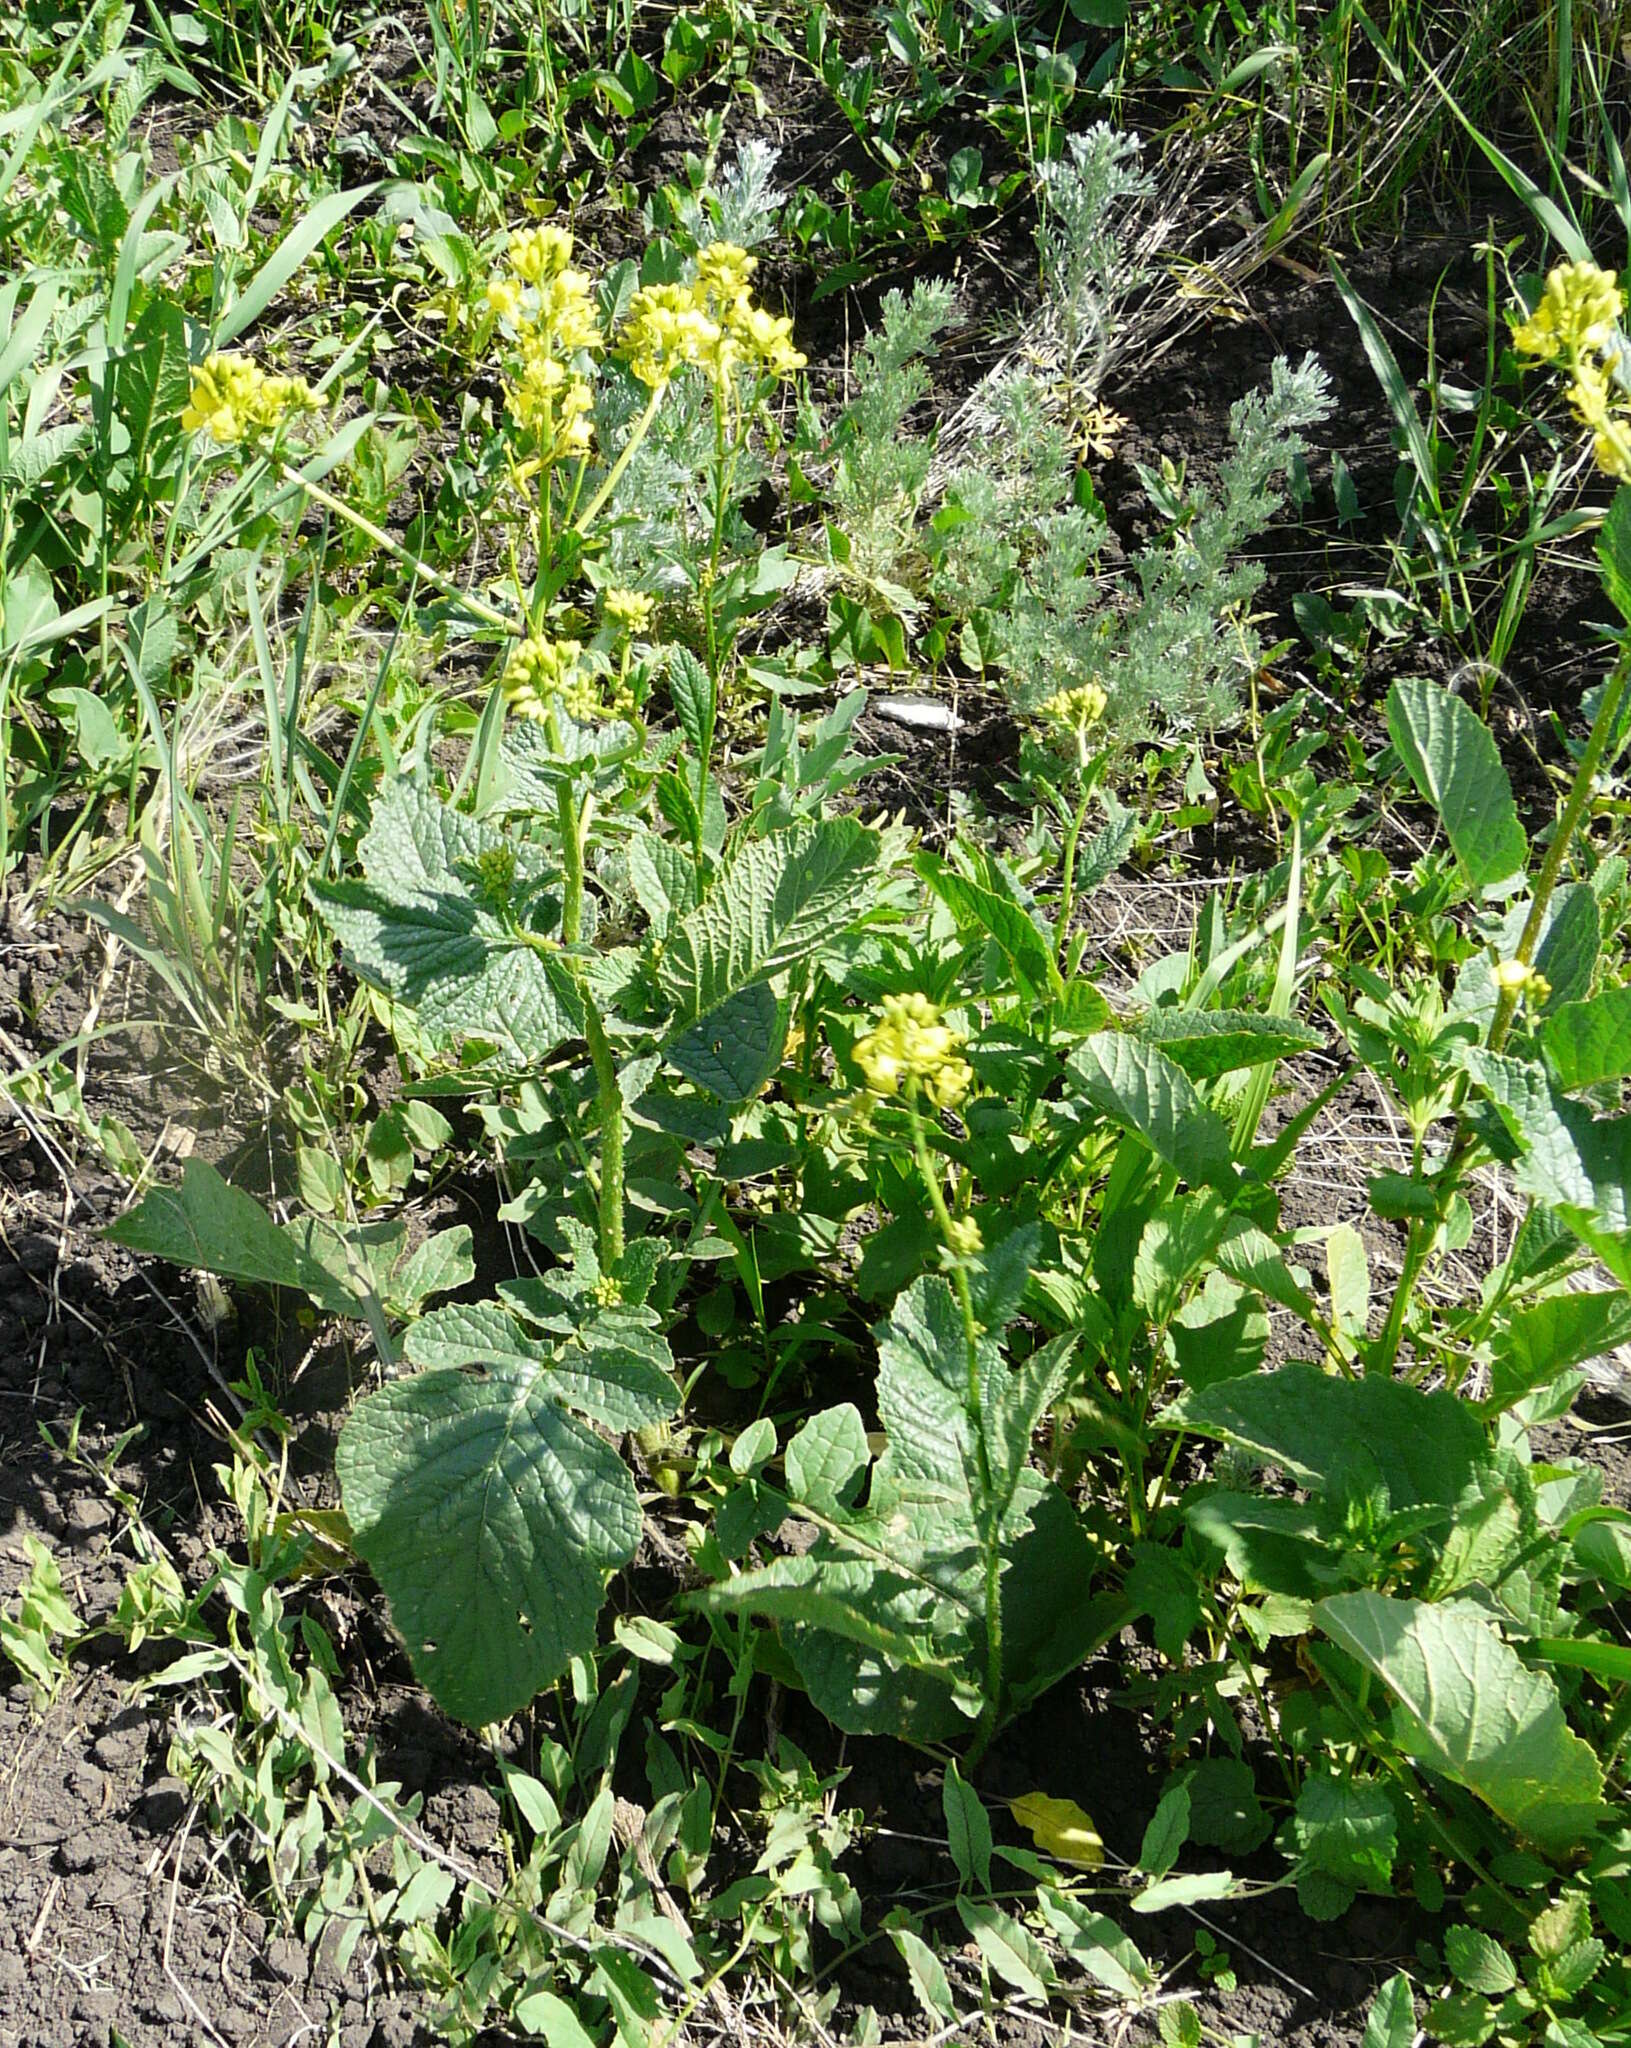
611, 1136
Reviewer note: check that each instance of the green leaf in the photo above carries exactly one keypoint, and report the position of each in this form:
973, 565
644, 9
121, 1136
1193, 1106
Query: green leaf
927, 1973
1536, 1343
826, 1458
1431, 1447
1614, 552
492, 1518
777, 902
1589, 1042
1346, 1830
1463, 2020
286, 259
692, 690
1567, 954
1451, 756
1138, 1087
1006, 1946
1094, 1941
1474, 1711
1026, 950
1207, 1043
614, 1368
1224, 1809
424, 928
444, 1262
1191, 1888
968, 1829
1166, 1834
734, 1050
551, 2020
208, 1224
1478, 1961
1391, 2022
1578, 1164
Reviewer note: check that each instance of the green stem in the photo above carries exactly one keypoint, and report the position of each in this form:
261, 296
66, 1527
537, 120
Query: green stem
988, 1512
478, 608
614, 476
611, 1136
1425, 1230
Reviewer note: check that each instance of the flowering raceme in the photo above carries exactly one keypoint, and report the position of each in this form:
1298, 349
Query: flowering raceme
712, 323
911, 1048
551, 309
538, 669
232, 399
1575, 327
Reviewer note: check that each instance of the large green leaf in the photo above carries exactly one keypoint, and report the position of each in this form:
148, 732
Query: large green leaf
884, 1613
1206, 1043
734, 1050
430, 926
778, 901
208, 1224
1589, 1042
1451, 757
1135, 1085
1471, 1709
1429, 1447
492, 1519
1577, 1164
1028, 953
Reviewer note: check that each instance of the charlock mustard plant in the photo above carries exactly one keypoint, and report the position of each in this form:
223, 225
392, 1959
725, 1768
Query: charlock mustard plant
233, 399
1575, 328
912, 1051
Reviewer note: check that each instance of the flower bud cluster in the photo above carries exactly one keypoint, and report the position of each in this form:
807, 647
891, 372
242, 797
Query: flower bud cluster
711, 323
912, 1049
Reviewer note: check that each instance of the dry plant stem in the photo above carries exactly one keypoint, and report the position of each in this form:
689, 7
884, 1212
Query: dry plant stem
990, 1533
1424, 1231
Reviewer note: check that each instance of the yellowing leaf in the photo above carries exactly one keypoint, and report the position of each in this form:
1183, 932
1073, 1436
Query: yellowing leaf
1059, 1827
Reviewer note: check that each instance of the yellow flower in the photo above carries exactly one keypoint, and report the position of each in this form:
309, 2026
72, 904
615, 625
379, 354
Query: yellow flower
233, 399
911, 1048
1578, 313
665, 330
766, 339
1517, 977
1100, 427
555, 405
566, 318
504, 297
536, 253
1076, 710
538, 669
628, 610
723, 271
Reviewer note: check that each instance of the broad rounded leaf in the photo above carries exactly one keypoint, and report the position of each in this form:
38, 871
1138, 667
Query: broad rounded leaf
492, 1519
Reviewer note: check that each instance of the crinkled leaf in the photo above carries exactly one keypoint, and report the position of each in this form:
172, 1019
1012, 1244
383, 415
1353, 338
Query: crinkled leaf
777, 902
1136, 1086
1206, 1043
1347, 1829
492, 1519
1430, 1446
422, 927
1478, 1961
1451, 757
1474, 1711
618, 1376
1589, 1042
734, 1050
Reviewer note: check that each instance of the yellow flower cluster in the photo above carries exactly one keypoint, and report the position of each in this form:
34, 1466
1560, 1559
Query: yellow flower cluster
1076, 710
1576, 328
537, 670
711, 323
551, 308
628, 610
232, 399
964, 1239
911, 1048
